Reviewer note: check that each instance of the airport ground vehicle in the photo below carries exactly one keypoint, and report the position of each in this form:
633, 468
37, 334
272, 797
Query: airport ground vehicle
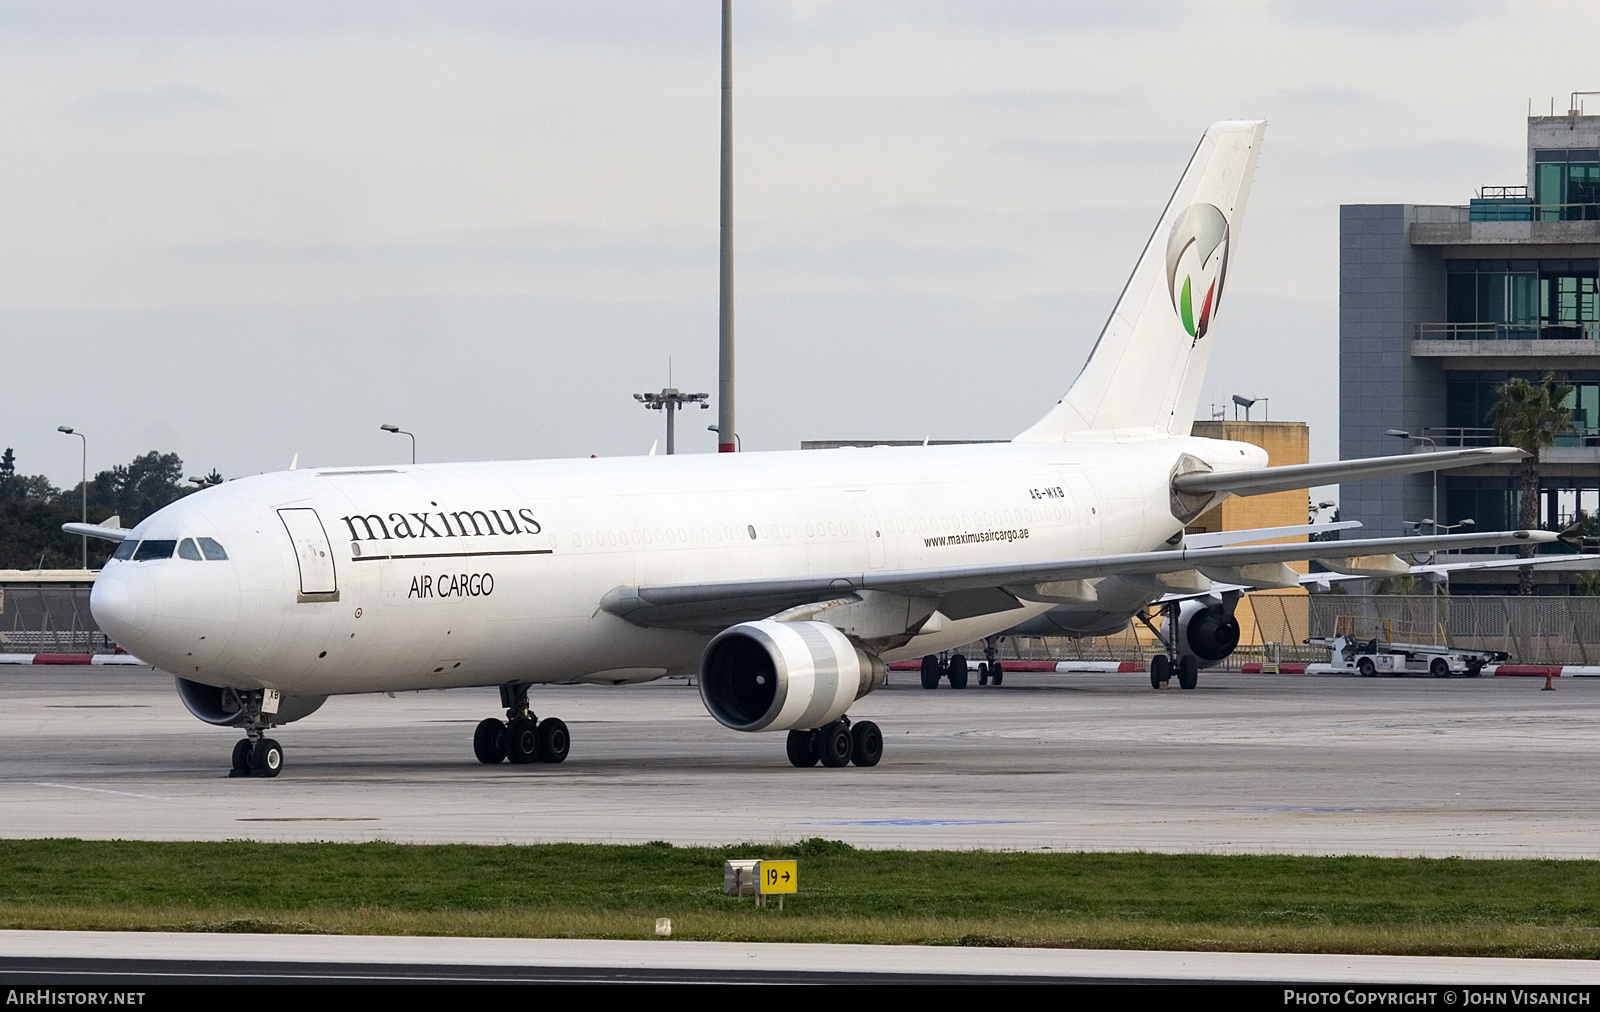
1379, 655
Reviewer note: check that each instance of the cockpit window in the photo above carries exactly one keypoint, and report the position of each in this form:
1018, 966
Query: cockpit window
154, 550
125, 550
213, 550
187, 550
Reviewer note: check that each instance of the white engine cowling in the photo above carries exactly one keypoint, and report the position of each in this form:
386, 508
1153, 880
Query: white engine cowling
779, 676
1207, 631
226, 708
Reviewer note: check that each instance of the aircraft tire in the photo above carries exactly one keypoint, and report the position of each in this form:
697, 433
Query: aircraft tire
554, 740
996, 672
521, 741
1188, 671
266, 759
866, 743
486, 741
802, 747
834, 746
930, 672
241, 758
958, 671
1160, 671
1366, 668
983, 673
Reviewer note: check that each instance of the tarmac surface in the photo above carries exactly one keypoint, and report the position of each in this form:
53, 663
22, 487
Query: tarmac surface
1488, 767
134, 959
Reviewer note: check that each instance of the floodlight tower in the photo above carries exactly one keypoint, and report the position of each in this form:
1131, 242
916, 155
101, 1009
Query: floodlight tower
670, 400
726, 430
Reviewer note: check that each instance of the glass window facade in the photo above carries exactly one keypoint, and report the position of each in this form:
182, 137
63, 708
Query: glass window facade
1470, 395
1566, 184
1524, 299
1495, 504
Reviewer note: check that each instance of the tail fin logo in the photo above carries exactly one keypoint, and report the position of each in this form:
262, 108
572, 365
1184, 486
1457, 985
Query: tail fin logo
1197, 266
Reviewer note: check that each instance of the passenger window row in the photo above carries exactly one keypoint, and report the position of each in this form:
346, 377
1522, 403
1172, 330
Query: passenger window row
193, 549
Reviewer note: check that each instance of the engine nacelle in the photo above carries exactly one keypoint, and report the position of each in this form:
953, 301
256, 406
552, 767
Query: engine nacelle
230, 707
779, 676
1207, 631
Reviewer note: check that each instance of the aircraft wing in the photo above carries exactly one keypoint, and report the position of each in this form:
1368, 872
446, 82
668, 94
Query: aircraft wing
1261, 480
1219, 538
1325, 579
965, 591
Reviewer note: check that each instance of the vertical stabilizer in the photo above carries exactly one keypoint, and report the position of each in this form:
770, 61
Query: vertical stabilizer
1146, 369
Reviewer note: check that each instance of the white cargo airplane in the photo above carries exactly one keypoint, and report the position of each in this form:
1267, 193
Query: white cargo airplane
785, 580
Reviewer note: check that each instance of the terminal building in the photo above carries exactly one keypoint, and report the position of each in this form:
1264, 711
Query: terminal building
1440, 304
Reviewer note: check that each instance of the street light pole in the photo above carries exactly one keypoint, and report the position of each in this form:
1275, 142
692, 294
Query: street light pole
83, 484
1406, 434
399, 431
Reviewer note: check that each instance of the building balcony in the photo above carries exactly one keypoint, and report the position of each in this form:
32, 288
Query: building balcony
1464, 232
1509, 345
1452, 435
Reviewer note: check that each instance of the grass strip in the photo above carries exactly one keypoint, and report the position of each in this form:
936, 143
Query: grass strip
1417, 906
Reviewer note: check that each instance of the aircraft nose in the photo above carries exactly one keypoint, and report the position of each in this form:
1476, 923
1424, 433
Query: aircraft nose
123, 603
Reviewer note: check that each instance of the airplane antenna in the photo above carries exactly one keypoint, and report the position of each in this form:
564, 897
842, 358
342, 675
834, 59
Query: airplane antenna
726, 442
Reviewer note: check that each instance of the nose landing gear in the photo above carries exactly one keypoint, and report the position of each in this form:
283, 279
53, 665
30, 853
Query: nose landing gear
256, 755
522, 737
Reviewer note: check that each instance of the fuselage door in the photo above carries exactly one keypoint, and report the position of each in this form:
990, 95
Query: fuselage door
874, 533
311, 550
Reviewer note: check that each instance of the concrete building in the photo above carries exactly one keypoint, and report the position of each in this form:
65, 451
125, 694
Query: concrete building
1440, 304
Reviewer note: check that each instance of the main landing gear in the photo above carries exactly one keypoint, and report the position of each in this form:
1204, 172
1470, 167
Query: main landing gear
837, 744
522, 737
954, 668
1161, 666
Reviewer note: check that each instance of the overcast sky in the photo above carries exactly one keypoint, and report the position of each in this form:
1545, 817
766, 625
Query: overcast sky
241, 231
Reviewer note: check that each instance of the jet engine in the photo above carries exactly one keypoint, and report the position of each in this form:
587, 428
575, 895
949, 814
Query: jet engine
1210, 632
231, 707
781, 676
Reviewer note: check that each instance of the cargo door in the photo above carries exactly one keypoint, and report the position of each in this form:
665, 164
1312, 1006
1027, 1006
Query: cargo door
311, 551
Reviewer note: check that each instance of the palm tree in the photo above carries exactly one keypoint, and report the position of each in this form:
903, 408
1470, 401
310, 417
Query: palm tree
1530, 416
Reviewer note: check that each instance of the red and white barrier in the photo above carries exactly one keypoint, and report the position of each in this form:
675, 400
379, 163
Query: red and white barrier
69, 659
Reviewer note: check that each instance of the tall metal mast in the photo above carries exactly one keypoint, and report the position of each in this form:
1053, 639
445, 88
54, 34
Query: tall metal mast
726, 431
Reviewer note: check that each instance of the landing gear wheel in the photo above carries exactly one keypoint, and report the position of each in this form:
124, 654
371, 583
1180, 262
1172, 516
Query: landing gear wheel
486, 741
241, 758
930, 672
958, 671
1366, 668
983, 673
866, 743
803, 748
1474, 670
1188, 671
1439, 668
1160, 671
266, 759
554, 741
521, 741
834, 746
996, 672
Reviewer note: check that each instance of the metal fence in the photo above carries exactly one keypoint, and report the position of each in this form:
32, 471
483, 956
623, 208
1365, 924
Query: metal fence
1533, 630
45, 619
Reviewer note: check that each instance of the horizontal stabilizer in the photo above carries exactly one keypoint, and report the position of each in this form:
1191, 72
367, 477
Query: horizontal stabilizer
98, 531
1261, 480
